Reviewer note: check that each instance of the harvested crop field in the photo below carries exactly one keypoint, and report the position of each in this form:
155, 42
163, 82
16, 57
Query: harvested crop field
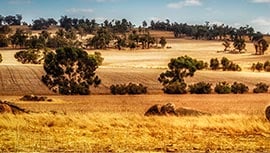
106, 123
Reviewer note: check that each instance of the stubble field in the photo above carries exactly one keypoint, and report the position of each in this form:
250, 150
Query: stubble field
105, 123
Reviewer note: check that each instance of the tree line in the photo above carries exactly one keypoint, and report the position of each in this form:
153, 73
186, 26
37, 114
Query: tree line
205, 31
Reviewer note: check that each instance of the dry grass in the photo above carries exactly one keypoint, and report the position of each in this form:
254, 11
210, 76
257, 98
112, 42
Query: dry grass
109, 123
124, 132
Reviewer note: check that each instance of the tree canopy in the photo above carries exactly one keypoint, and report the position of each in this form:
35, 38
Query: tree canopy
70, 71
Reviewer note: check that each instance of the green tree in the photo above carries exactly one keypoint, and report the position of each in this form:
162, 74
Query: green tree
31, 56
162, 42
70, 71
214, 64
19, 38
179, 69
101, 40
239, 88
261, 88
239, 44
200, 88
223, 88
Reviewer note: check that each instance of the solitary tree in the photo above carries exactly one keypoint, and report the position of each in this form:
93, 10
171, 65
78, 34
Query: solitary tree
163, 42
70, 71
173, 79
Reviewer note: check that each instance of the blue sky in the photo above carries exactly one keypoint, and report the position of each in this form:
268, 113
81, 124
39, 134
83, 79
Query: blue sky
232, 12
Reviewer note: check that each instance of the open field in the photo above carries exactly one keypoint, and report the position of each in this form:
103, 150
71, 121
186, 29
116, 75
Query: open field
105, 123
139, 66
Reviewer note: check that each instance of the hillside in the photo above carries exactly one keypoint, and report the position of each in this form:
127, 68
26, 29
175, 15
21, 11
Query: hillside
138, 66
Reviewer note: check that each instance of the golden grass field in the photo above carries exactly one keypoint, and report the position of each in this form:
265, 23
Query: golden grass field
105, 123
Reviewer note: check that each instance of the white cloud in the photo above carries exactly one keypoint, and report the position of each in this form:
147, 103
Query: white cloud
261, 24
184, 3
261, 21
260, 1
79, 11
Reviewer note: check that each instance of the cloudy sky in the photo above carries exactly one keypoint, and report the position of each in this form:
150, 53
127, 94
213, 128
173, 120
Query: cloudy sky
232, 12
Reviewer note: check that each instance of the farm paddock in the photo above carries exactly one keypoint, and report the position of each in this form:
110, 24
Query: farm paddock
105, 123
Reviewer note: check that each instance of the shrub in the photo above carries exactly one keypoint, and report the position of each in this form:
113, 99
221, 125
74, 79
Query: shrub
223, 88
200, 88
119, 89
228, 65
131, 88
261, 88
234, 67
239, 88
259, 66
175, 88
266, 66
200, 65
134, 89
29, 56
214, 64
225, 62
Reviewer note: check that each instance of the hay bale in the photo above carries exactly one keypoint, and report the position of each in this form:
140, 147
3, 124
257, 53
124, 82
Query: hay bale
267, 112
154, 110
189, 112
4, 108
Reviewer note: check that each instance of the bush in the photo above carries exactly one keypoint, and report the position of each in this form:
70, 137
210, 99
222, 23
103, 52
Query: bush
266, 66
225, 62
119, 89
228, 65
223, 88
214, 64
200, 65
131, 89
29, 56
234, 67
200, 88
175, 88
261, 88
258, 66
239, 88
134, 89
